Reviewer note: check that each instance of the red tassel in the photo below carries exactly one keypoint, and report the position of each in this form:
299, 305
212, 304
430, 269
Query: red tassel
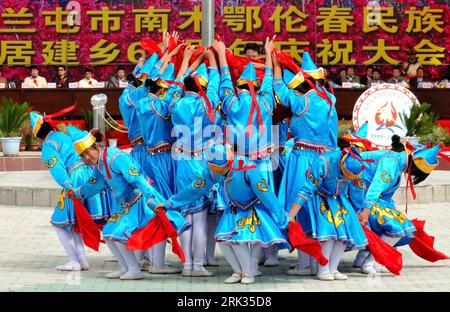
255, 106
157, 230
300, 241
422, 244
384, 253
90, 232
210, 112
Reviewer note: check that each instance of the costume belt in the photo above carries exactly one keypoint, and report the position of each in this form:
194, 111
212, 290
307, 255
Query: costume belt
180, 150
302, 146
259, 154
159, 148
137, 141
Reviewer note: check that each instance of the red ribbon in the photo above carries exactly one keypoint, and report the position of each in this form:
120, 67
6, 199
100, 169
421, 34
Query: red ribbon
35, 82
255, 105
409, 184
156, 231
210, 112
384, 253
422, 244
299, 240
90, 232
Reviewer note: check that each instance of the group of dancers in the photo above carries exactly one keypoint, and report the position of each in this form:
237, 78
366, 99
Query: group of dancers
212, 155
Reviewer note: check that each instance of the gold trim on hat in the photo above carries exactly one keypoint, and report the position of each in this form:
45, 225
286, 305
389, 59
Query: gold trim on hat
296, 81
317, 74
84, 143
242, 82
37, 125
162, 83
202, 81
423, 165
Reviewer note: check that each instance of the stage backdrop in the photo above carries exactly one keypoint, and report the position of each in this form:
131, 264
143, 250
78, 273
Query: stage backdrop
105, 34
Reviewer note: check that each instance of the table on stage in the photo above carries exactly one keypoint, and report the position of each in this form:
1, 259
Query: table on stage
52, 100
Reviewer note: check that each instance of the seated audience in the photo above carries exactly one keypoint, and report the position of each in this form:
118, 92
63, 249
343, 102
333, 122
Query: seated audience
3, 79
350, 75
376, 78
397, 77
416, 82
87, 81
114, 81
34, 80
62, 81
365, 80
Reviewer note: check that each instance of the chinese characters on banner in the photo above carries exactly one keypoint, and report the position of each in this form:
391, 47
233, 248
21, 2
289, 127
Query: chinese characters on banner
107, 33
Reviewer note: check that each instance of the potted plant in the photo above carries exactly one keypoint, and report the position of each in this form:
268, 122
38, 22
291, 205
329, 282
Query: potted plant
35, 144
419, 122
436, 136
12, 117
26, 134
88, 116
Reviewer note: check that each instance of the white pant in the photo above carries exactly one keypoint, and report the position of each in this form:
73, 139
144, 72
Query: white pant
193, 241
73, 245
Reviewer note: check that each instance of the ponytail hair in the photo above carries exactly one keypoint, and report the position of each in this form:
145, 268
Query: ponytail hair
396, 145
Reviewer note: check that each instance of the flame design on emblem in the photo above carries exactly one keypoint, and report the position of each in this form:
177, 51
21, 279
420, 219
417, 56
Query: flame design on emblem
386, 115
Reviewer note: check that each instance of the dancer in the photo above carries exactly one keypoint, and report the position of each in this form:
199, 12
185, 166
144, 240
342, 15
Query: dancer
383, 178
117, 170
334, 223
69, 172
310, 112
252, 220
193, 119
156, 126
249, 127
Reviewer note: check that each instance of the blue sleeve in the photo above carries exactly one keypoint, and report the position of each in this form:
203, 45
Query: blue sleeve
54, 163
212, 91
314, 177
261, 189
199, 187
130, 171
267, 89
385, 177
226, 90
94, 185
282, 91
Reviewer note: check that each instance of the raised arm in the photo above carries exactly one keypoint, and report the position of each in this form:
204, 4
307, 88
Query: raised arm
185, 64
226, 89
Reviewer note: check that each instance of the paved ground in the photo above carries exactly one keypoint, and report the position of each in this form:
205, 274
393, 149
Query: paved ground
29, 251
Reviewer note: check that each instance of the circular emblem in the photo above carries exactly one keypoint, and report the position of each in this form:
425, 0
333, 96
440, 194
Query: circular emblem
51, 162
382, 107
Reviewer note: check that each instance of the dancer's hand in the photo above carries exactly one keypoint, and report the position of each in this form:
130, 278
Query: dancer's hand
219, 46
176, 50
188, 52
70, 193
364, 216
159, 207
270, 45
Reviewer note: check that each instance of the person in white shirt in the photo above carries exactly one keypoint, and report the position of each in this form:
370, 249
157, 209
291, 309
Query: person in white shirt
35, 81
87, 81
